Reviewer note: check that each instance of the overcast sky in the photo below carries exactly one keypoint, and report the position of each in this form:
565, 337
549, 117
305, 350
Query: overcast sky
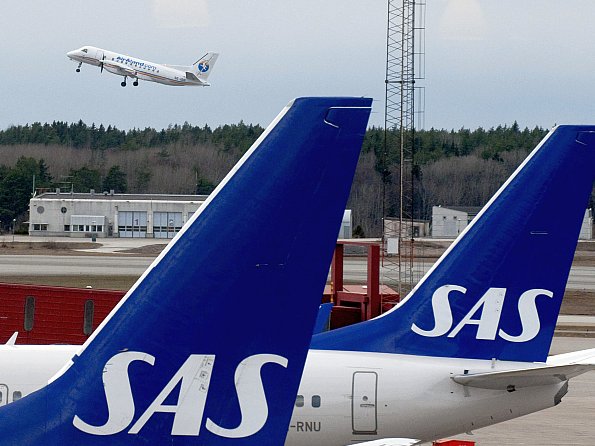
487, 62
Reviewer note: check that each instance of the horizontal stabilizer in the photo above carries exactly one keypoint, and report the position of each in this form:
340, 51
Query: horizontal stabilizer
391, 442
585, 357
516, 379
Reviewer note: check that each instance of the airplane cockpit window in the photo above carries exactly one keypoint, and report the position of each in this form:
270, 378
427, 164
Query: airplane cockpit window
316, 401
299, 401
84, 50
17, 395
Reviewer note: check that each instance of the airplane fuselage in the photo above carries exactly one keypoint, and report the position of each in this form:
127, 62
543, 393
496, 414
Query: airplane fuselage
135, 68
347, 397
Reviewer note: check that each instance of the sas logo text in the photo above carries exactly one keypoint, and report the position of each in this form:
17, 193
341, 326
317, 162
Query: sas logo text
488, 322
192, 379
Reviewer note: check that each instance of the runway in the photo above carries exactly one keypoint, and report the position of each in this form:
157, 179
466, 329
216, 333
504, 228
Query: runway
581, 277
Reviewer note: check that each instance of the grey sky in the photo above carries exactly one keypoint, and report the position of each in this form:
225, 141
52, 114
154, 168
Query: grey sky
487, 62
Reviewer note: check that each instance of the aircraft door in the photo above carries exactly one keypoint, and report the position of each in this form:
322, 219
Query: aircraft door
3, 394
363, 403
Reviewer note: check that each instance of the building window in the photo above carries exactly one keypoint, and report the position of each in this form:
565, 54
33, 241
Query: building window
40, 209
40, 227
66, 228
63, 210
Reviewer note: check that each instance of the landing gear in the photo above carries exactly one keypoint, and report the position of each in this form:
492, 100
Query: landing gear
123, 84
78, 69
135, 83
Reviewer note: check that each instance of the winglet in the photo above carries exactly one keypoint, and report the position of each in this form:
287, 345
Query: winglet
13, 339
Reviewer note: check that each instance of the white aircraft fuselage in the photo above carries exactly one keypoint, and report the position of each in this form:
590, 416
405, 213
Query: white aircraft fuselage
138, 69
351, 397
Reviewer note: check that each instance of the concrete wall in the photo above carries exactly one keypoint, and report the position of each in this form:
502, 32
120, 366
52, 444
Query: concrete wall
587, 227
448, 223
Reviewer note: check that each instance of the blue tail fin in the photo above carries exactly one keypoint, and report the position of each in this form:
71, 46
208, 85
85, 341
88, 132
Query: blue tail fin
323, 318
209, 345
496, 292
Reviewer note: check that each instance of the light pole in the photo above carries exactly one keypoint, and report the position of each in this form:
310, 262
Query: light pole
14, 222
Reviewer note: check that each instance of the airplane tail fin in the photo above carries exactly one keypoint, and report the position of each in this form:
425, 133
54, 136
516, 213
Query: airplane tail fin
204, 66
212, 339
496, 292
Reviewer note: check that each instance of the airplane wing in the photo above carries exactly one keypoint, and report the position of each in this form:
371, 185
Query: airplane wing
122, 68
390, 442
532, 377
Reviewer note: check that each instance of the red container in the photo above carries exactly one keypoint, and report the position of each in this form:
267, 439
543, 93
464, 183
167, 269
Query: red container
52, 315
453, 443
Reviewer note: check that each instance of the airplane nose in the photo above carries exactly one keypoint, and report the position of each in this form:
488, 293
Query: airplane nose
71, 54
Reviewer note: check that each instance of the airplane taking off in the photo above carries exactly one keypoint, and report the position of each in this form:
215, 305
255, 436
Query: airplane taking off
122, 65
194, 356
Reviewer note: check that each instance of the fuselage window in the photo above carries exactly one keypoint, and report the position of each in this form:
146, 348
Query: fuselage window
16, 395
299, 401
316, 401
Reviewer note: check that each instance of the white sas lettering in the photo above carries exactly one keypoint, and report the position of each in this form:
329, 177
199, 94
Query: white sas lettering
193, 379
487, 324
195, 375
251, 397
118, 394
529, 316
490, 305
442, 312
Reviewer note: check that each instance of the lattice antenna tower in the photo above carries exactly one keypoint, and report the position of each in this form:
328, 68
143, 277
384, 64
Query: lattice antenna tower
405, 56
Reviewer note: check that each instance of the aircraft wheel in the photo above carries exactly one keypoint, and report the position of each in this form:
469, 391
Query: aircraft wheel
123, 84
78, 70
135, 83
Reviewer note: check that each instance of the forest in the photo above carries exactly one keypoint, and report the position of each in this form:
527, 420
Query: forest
458, 167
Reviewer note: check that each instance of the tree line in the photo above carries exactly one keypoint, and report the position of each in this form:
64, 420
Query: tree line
451, 167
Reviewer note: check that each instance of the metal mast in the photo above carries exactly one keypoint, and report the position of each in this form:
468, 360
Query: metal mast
406, 20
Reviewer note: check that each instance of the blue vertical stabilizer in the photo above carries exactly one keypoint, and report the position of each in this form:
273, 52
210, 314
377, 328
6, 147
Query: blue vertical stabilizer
209, 345
497, 291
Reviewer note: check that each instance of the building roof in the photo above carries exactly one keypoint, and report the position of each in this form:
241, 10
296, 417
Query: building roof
469, 210
118, 197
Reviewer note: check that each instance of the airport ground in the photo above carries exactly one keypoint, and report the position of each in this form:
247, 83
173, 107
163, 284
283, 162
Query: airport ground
117, 263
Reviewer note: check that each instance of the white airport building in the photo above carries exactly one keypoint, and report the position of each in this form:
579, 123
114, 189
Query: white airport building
108, 214
449, 222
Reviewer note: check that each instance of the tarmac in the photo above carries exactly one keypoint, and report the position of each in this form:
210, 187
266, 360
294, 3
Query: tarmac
570, 423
